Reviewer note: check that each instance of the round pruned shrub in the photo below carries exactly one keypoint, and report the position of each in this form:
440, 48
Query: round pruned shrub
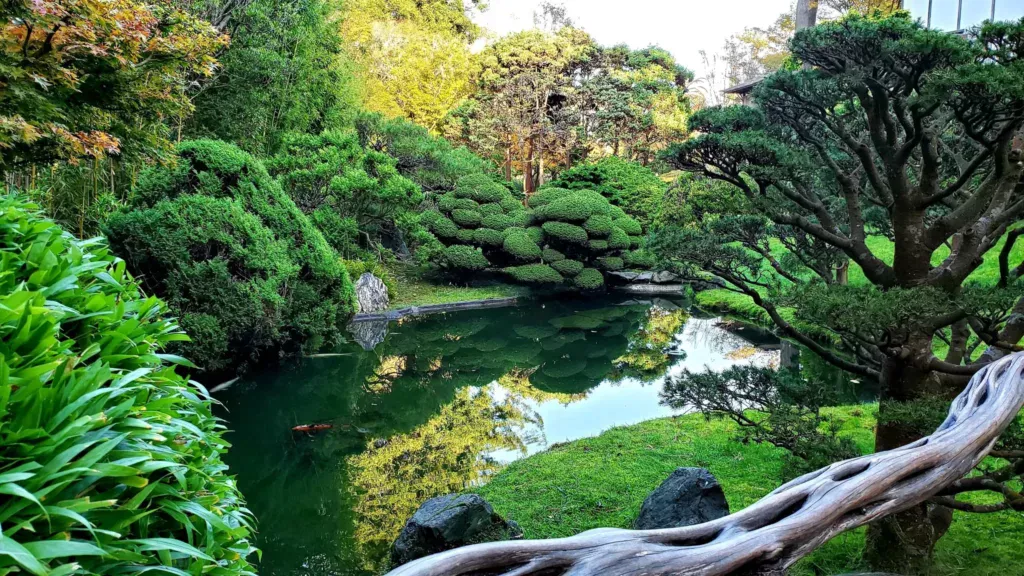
577, 206
546, 195
490, 209
568, 268
611, 263
534, 274
520, 246
618, 240
466, 235
629, 226
551, 255
536, 234
112, 458
439, 224
466, 218
464, 258
598, 246
639, 259
498, 222
480, 188
589, 279
565, 232
598, 226
488, 237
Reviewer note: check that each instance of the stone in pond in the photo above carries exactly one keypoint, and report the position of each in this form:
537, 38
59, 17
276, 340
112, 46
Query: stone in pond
689, 496
371, 294
369, 333
448, 522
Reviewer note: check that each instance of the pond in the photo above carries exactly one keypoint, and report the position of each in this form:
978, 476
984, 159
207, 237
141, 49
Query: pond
443, 402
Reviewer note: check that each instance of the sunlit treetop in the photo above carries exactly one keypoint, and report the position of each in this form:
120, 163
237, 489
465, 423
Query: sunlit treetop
90, 78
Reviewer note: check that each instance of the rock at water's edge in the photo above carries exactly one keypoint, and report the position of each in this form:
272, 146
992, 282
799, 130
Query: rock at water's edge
371, 294
448, 522
689, 496
369, 334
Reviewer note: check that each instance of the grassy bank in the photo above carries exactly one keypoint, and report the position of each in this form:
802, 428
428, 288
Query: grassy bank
602, 481
412, 289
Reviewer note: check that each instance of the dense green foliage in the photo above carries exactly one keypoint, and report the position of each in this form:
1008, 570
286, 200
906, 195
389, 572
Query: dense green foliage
634, 188
112, 460
247, 272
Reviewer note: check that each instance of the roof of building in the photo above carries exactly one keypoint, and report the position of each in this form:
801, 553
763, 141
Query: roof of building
744, 87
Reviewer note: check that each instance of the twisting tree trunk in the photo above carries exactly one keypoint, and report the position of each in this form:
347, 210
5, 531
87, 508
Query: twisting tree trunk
786, 525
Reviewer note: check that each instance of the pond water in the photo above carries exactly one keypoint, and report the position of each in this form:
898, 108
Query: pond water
440, 404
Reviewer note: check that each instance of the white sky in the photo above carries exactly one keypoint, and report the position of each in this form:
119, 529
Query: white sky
685, 27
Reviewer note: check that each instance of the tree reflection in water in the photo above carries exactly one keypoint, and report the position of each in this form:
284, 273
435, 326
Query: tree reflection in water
419, 416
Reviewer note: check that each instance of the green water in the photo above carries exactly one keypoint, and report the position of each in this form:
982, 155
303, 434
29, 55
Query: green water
439, 406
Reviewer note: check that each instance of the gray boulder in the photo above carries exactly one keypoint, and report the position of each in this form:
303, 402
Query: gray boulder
689, 496
371, 294
448, 522
369, 333
664, 277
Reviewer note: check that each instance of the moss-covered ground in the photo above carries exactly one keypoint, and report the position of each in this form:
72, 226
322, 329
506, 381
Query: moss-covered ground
602, 481
410, 288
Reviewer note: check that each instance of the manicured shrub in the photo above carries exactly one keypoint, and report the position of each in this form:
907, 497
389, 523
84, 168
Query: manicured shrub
636, 241
215, 233
574, 207
598, 226
439, 224
618, 240
598, 245
567, 268
465, 258
611, 263
628, 185
536, 234
589, 279
488, 237
535, 274
466, 218
629, 226
565, 232
498, 221
551, 255
465, 235
546, 195
449, 202
481, 188
520, 246
112, 459
490, 209
639, 259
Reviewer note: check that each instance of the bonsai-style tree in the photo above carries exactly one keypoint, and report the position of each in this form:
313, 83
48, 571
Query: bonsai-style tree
876, 178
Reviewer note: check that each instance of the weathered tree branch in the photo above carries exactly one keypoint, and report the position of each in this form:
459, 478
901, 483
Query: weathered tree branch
784, 526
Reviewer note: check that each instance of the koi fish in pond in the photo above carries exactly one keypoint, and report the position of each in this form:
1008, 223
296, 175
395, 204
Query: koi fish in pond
312, 428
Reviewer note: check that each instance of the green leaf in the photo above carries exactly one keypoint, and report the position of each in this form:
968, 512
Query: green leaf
46, 549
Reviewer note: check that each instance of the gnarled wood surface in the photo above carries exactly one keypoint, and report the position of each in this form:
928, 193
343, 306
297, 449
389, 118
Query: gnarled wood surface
782, 527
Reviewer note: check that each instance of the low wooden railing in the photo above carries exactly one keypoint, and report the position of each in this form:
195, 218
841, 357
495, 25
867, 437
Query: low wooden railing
782, 527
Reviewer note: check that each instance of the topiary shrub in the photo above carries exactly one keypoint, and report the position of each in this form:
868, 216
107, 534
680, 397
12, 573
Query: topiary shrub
611, 263
629, 226
589, 279
466, 235
639, 259
466, 218
480, 188
490, 209
488, 237
598, 246
618, 240
573, 207
520, 246
567, 268
439, 224
215, 234
628, 185
464, 258
534, 274
112, 459
565, 232
551, 255
536, 234
498, 221
598, 226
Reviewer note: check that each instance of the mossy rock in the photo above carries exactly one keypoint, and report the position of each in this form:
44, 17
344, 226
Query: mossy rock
488, 237
535, 274
466, 218
618, 240
464, 257
518, 244
567, 268
551, 255
611, 263
598, 226
565, 232
589, 279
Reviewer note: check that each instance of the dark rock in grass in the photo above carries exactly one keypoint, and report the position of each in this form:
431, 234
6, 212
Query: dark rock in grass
689, 496
448, 522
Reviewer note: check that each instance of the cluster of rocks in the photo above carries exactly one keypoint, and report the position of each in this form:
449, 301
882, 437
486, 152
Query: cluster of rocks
689, 496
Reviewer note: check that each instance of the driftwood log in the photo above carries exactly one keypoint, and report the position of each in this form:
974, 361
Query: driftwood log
784, 526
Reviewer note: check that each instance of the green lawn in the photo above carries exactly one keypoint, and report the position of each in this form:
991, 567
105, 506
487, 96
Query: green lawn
602, 481
411, 289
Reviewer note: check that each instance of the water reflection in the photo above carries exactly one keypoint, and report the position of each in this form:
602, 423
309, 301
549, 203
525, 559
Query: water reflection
440, 404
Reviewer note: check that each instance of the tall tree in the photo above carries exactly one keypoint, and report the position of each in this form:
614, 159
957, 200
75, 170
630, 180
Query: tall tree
891, 130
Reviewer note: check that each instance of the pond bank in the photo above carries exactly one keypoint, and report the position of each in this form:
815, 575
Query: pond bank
602, 481
458, 306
